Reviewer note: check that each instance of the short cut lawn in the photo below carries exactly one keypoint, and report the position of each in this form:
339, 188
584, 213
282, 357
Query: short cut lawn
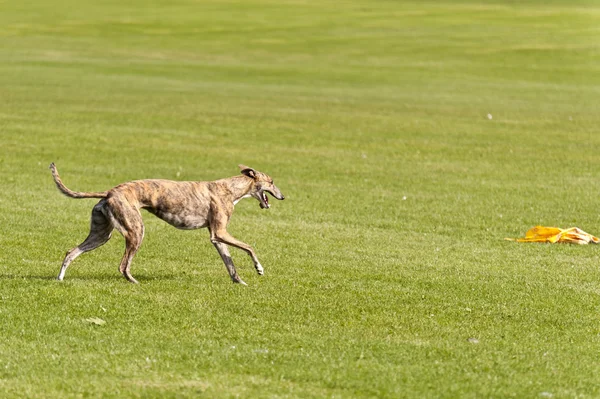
410, 138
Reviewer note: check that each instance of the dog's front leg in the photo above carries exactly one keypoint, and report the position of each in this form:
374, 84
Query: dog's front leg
218, 233
226, 256
224, 237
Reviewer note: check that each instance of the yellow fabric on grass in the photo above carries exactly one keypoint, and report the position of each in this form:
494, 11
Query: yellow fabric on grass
554, 234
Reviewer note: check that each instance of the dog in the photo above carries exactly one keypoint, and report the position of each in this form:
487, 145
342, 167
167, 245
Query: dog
185, 205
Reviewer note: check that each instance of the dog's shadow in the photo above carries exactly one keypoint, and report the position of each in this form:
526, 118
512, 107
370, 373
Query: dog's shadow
93, 277
26, 277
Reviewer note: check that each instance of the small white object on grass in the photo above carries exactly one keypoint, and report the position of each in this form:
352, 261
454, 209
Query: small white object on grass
96, 321
404, 198
489, 116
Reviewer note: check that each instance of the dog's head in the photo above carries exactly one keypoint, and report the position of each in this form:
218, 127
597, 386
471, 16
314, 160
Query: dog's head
263, 184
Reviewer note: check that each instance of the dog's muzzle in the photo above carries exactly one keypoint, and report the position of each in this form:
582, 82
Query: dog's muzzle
264, 199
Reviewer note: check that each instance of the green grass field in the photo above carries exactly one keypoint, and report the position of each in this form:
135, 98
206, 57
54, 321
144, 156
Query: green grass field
387, 273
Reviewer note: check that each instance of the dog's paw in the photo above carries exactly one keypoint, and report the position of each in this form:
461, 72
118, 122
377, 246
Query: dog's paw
259, 269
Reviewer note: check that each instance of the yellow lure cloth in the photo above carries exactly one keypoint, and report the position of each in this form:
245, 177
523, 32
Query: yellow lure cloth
572, 235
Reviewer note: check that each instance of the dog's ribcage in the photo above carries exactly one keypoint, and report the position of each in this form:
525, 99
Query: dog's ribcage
184, 205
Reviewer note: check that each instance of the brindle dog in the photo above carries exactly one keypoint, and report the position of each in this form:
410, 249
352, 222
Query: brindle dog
183, 204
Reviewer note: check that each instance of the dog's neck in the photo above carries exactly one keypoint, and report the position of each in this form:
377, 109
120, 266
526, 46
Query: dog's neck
239, 187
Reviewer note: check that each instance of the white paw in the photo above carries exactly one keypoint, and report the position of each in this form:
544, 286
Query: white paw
259, 269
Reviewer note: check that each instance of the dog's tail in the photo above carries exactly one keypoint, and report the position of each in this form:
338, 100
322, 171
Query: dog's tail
73, 194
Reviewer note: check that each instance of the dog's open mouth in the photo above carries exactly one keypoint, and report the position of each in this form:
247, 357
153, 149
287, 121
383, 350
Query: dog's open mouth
264, 204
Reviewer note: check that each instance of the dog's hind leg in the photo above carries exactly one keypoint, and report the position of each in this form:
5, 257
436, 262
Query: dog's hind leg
101, 229
226, 256
129, 223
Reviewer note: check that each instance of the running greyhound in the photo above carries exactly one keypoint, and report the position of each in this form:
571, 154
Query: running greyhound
183, 204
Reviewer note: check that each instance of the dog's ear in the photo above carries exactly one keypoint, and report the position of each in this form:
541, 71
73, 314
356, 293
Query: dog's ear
248, 171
